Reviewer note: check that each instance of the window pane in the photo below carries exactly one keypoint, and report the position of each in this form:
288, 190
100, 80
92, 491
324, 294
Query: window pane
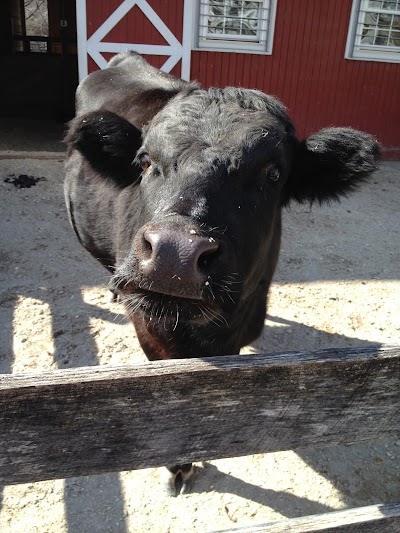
36, 18
380, 29
216, 25
394, 5
394, 39
371, 19
38, 46
216, 8
368, 36
382, 37
233, 17
384, 21
390, 5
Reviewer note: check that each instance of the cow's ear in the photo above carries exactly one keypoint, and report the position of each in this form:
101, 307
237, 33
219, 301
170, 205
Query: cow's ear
108, 142
330, 164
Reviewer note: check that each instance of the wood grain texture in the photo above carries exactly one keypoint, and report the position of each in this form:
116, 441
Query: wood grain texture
372, 519
101, 419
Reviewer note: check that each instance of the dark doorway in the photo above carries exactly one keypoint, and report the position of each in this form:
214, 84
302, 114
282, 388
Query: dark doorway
38, 50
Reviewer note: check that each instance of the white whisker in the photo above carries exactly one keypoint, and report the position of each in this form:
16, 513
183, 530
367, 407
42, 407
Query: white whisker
177, 318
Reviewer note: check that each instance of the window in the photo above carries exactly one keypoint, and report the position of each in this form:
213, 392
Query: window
30, 24
236, 25
374, 32
37, 23
43, 27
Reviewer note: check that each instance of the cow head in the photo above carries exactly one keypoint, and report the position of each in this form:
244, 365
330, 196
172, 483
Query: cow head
200, 187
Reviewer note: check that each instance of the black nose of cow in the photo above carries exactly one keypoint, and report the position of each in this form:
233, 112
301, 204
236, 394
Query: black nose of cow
175, 261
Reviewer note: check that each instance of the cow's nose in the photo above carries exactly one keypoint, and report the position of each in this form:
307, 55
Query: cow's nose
178, 251
175, 260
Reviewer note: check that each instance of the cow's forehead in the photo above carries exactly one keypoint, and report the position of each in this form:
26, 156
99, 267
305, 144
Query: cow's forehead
230, 120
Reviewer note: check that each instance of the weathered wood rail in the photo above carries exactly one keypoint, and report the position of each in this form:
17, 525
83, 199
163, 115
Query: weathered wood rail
101, 419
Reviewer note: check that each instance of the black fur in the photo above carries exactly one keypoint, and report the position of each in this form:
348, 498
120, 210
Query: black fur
330, 164
223, 162
108, 142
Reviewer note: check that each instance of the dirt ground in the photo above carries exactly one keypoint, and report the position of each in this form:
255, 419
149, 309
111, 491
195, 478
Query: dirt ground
337, 285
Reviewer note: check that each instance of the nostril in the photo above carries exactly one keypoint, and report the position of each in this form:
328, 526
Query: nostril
207, 258
147, 246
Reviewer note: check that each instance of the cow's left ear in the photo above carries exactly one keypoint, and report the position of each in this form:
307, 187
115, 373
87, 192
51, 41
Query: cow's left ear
330, 164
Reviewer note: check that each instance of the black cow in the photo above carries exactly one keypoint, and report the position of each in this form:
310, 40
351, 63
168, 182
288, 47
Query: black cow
178, 191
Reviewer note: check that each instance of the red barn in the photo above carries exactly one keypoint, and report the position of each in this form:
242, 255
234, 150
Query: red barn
331, 63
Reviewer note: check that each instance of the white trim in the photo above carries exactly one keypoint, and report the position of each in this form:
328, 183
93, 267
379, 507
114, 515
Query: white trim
97, 58
231, 50
368, 52
171, 62
81, 38
271, 32
348, 54
188, 13
95, 44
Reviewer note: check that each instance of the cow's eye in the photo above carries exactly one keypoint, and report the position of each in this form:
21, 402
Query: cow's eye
144, 161
273, 172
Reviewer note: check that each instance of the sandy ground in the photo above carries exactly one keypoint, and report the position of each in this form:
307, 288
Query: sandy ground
337, 285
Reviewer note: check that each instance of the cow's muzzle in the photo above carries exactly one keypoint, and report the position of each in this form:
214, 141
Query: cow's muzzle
176, 261
178, 267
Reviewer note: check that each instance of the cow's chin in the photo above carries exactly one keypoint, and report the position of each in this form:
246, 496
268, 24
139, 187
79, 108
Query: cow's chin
170, 311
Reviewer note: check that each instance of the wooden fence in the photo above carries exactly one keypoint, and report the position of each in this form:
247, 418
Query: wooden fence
102, 419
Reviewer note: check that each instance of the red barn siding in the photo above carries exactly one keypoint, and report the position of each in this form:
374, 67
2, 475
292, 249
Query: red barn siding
308, 72
307, 69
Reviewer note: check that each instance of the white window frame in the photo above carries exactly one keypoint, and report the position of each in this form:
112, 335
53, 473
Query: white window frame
367, 52
239, 43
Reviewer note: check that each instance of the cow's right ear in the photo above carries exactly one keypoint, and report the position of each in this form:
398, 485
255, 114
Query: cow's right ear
108, 142
330, 164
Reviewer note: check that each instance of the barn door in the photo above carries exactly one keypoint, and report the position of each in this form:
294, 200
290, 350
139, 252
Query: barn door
38, 58
99, 42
